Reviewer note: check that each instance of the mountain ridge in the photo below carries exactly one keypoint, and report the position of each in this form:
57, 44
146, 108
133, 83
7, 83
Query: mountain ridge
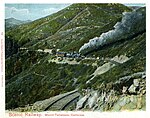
11, 22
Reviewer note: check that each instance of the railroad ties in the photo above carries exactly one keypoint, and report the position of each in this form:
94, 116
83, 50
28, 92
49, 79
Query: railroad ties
66, 102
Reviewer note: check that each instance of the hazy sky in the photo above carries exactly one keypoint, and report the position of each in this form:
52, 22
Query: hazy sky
35, 11
31, 11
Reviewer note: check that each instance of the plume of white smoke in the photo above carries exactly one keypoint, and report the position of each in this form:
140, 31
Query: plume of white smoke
131, 24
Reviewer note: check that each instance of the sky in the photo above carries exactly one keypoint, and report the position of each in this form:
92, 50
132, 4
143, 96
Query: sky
31, 11
35, 11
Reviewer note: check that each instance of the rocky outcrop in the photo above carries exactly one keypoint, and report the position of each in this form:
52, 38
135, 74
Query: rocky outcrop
102, 69
112, 62
81, 102
120, 59
131, 95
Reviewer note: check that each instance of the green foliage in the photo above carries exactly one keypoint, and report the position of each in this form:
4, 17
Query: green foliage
20, 62
53, 29
129, 47
135, 48
41, 80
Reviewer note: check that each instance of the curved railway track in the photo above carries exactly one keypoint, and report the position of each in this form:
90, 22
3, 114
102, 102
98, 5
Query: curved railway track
71, 101
63, 102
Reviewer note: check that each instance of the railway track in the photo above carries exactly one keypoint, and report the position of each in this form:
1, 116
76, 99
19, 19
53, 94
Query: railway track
63, 102
69, 102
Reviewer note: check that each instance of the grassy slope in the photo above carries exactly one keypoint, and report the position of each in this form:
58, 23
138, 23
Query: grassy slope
43, 80
92, 21
135, 48
51, 29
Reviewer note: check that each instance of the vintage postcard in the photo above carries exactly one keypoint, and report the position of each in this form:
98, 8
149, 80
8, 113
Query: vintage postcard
72, 59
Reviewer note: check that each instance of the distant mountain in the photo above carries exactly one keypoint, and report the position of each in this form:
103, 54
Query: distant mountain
10, 22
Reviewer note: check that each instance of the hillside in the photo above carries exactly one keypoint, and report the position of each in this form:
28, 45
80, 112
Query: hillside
37, 73
67, 25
